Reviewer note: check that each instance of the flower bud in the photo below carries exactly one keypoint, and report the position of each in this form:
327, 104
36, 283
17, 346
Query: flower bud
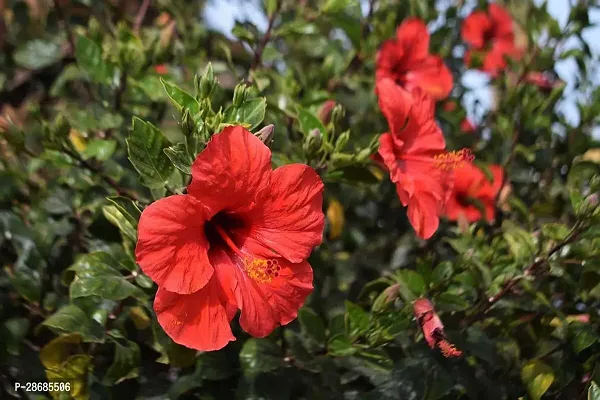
342, 141
312, 143
206, 83
239, 94
325, 111
60, 129
337, 115
187, 123
266, 134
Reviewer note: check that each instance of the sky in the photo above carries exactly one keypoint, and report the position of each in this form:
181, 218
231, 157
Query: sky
222, 14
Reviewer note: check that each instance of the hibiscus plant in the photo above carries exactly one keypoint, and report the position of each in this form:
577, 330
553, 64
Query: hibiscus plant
328, 199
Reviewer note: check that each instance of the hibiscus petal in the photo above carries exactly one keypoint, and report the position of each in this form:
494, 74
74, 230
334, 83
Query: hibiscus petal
423, 214
198, 320
395, 103
502, 20
389, 57
287, 293
172, 248
264, 305
290, 221
431, 75
474, 28
388, 155
257, 317
413, 38
422, 136
232, 172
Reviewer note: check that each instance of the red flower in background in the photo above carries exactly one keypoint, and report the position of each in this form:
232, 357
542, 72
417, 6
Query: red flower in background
466, 126
238, 240
471, 183
490, 33
433, 329
407, 61
414, 153
161, 69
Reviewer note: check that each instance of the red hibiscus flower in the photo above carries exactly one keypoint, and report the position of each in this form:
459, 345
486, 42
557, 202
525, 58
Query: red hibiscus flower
414, 153
238, 240
161, 69
433, 329
407, 61
471, 186
466, 126
490, 33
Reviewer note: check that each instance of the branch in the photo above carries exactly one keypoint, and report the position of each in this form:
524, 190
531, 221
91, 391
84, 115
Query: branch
265, 40
139, 18
63, 19
530, 270
98, 171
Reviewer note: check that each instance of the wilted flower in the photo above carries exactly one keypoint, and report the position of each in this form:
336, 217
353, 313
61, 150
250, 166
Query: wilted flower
433, 329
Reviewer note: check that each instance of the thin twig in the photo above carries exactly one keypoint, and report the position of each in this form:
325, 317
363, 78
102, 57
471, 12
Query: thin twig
98, 171
258, 54
530, 270
139, 18
62, 17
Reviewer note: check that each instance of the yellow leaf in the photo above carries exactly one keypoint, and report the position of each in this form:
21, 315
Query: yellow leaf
78, 140
335, 215
59, 349
64, 366
592, 155
75, 372
139, 317
377, 172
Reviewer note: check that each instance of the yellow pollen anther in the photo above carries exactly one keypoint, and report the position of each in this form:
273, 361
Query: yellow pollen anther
262, 271
448, 161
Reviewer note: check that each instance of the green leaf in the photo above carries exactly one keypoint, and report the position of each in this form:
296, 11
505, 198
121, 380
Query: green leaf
95, 276
270, 6
114, 215
89, 59
312, 325
146, 146
180, 98
594, 391
441, 272
38, 54
72, 319
127, 208
538, 377
353, 174
250, 114
100, 149
350, 25
309, 122
412, 284
16, 330
583, 336
340, 346
259, 356
520, 242
179, 157
125, 364
555, 231
93, 118
171, 353
334, 6
357, 320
